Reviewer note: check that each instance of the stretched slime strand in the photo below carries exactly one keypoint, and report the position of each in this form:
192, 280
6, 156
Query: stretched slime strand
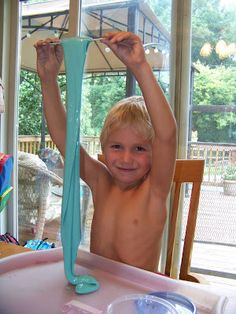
75, 50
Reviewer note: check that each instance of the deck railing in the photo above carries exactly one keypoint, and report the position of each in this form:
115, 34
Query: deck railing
31, 143
216, 156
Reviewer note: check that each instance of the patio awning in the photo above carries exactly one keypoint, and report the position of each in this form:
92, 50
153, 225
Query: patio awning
43, 20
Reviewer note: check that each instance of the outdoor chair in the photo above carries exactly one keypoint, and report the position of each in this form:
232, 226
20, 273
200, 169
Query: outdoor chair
55, 163
186, 171
52, 158
34, 182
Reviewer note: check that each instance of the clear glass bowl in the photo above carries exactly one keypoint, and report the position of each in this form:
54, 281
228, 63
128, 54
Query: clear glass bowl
140, 304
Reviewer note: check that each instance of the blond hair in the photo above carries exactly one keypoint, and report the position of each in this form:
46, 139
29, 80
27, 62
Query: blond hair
132, 112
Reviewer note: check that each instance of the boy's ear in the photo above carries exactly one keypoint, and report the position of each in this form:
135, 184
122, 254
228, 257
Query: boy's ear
2, 105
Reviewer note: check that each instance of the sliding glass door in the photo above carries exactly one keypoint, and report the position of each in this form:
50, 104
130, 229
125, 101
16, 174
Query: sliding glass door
212, 134
106, 81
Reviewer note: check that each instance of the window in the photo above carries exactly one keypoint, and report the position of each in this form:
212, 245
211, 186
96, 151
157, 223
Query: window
151, 21
212, 133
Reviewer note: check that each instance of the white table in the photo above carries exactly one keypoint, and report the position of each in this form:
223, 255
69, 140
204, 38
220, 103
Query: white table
34, 282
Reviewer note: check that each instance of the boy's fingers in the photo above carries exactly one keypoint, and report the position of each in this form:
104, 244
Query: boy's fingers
126, 39
39, 43
109, 35
52, 40
121, 36
45, 42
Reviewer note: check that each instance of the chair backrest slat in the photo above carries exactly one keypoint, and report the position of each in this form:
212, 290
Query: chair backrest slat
186, 171
172, 229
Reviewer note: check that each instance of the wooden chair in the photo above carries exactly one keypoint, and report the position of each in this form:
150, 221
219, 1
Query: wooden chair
186, 171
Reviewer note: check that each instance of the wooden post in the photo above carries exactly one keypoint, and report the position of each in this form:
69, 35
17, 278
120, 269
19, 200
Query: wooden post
132, 27
74, 18
233, 156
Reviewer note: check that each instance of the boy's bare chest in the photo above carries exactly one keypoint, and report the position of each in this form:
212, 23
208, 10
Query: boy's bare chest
118, 204
122, 226
122, 213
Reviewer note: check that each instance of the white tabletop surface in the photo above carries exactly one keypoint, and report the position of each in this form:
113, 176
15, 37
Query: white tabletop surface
35, 281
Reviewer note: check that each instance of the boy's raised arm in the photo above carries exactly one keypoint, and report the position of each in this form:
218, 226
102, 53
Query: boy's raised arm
128, 47
49, 59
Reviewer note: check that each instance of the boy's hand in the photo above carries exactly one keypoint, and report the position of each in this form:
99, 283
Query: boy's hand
49, 58
127, 47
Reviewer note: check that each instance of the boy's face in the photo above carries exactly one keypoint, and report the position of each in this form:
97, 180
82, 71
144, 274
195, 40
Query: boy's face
128, 156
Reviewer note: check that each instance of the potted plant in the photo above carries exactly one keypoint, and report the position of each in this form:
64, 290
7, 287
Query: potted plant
229, 180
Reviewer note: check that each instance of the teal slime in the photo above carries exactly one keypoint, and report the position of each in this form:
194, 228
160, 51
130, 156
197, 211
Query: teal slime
75, 50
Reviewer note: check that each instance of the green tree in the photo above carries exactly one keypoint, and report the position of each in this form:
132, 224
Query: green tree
210, 23
102, 93
30, 110
30, 102
162, 9
215, 87
30, 105
86, 114
215, 84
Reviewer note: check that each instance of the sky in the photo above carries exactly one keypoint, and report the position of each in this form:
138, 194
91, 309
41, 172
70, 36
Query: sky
228, 3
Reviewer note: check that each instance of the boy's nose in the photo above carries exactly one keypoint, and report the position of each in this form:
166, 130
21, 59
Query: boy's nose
126, 156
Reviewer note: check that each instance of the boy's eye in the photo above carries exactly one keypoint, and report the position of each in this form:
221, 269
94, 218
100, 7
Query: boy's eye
115, 146
140, 148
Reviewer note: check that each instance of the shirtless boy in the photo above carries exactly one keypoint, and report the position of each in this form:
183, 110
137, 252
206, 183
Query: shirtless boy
139, 147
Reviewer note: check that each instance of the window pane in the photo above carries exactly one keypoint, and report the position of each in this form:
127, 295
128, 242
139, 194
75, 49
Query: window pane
212, 133
105, 82
40, 166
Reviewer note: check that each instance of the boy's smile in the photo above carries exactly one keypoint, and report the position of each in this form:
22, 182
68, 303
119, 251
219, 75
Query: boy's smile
128, 156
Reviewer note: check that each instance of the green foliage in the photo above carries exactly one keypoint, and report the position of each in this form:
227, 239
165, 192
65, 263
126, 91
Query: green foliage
230, 173
215, 87
210, 23
30, 102
162, 9
101, 93
30, 110
209, 128
215, 84
86, 116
